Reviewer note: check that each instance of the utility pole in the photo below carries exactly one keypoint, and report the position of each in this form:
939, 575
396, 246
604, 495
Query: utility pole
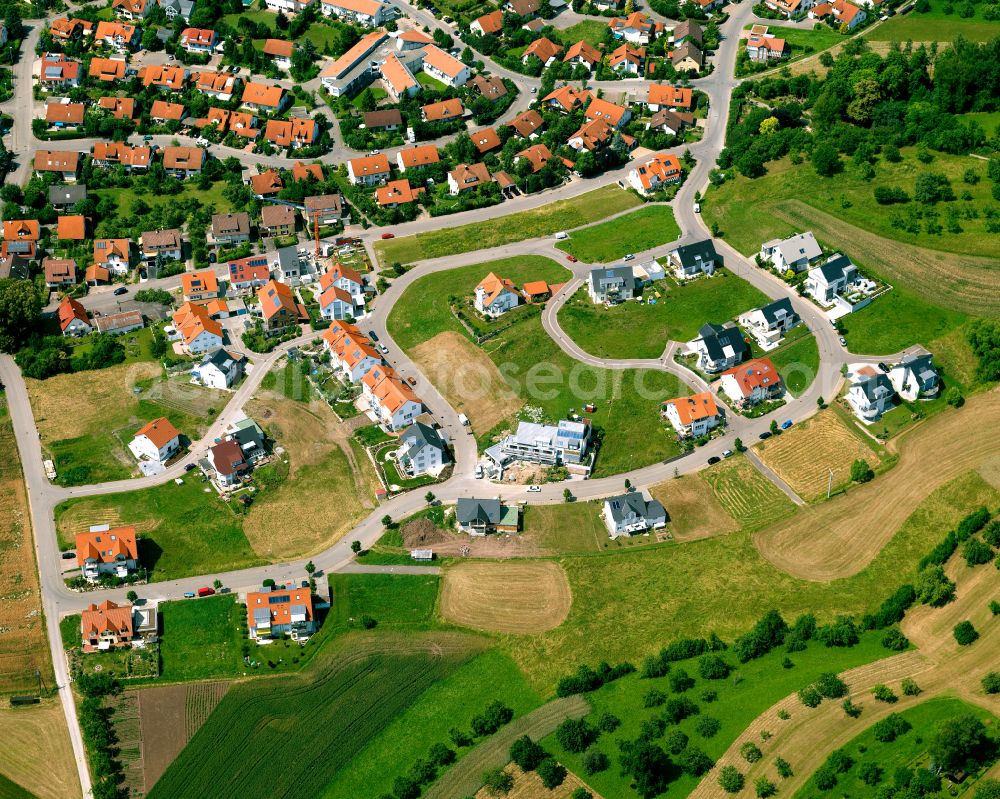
829, 485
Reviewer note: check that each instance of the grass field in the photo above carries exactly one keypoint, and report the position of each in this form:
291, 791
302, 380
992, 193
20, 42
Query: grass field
87, 419
761, 683
589, 30
37, 750
802, 41
746, 495
11, 790
184, 530
694, 509
319, 34
804, 455
125, 197
518, 597
542, 375
896, 321
23, 647
935, 26
797, 361
637, 330
543, 221
200, 639
356, 687
452, 702
909, 750
662, 593
395, 601
572, 528
638, 231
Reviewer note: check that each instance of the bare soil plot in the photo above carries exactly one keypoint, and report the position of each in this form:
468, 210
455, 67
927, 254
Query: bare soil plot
745, 494
825, 541
529, 786
508, 597
804, 455
463, 779
693, 508
23, 647
467, 378
330, 484
169, 718
37, 753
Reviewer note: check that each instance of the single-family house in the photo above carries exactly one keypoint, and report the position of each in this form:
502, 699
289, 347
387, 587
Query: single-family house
416, 157
302, 171
183, 162
718, 348
611, 284
118, 107
422, 451
278, 307
661, 170
632, 514
249, 273
113, 254
482, 516
164, 76
219, 369
342, 293
491, 88
662, 95
487, 24
693, 416
117, 324
161, 112
277, 220
670, 122
915, 377
263, 98
528, 125
538, 155
762, 47
247, 433
754, 381
615, 115
690, 260
267, 183
219, 86
280, 53
199, 40
117, 35
797, 252
396, 193
72, 227
466, 177
870, 394
526, 9
133, 9
444, 67
594, 135
564, 444
386, 119
62, 197
830, 278
443, 111
232, 228
327, 209
627, 60
687, 30
108, 626
57, 71
843, 13
157, 441
566, 99
545, 50
162, 245
177, 9
368, 170
197, 331
291, 266
687, 57
495, 296
107, 550
64, 163
226, 458
486, 140
64, 116
107, 70
770, 322
73, 319
295, 132
59, 272
199, 286
636, 28
583, 53
275, 612
350, 350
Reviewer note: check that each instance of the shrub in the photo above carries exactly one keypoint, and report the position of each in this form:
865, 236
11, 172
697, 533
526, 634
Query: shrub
405, 788
991, 533
608, 722
842, 632
423, 772
994, 607
892, 610
526, 753
850, 708
581, 793
977, 552
750, 752
491, 719
497, 781
654, 698
934, 588
587, 679
764, 787
883, 693
890, 728
707, 726
647, 765
730, 779
972, 524
830, 686
870, 773
965, 633
988, 789
680, 681
440, 755
910, 687
594, 760
809, 696
551, 773
675, 742
766, 634
575, 735
709, 695
895, 640
694, 762
888, 195
713, 667
991, 682
783, 768
861, 471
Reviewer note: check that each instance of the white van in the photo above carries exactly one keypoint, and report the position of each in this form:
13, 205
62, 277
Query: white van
562, 234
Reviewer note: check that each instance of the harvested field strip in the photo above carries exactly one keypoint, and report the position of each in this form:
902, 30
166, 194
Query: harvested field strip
694, 510
529, 786
463, 779
125, 718
356, 687
37, 750
506, 597
746, 494
804, 455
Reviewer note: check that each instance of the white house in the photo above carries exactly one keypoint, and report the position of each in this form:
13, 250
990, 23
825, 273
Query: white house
632, 514
286, 6
444, 67
423, 451
797, 252
369, 13
368, 170
342, 293
870, 395
390, 398
718, 347
219, 369
752, 382
158, 441
73, 319
826, 281
692, 416
611, 284
495, 296
690, 260
915, 377
770, 322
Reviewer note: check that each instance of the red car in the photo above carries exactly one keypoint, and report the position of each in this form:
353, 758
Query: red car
388, 235
571, 258
206, 591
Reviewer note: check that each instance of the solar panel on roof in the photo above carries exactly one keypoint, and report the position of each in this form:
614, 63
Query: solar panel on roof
277, 599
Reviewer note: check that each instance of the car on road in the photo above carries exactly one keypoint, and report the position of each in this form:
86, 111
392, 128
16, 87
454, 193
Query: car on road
534, 90
68, 555
147, 138
383, 349
411, 380
727, 453
205, 591
120, 290
534, 489
884, 367
189, 466
765, 435
571, 258
629, 257
843, 341
713, 460
375, 152
388, 235
189, 594
786, 424
479, 472
373, 335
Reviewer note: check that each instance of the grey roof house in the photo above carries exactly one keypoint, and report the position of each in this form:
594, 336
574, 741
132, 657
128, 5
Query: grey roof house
67, 195
796, 252
631, 513
915, 377
718, 348
689, 260
870, 395
482, 516
770, 322
611, 284
423, 450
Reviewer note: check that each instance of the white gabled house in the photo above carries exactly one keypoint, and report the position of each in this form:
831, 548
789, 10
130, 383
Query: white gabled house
752, 382
612, 284
769, 323
157, 441
718, 348
870, 395
495, 296
826, 281
423, 451
690, 260
350, 350
797, 252
915, 377
692, 416
632, 514
219, 369
342, 293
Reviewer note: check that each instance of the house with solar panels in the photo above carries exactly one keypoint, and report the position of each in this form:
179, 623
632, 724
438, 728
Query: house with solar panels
275, 612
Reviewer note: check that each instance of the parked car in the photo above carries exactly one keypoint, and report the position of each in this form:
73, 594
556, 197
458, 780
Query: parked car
534, 489
189, 594
411, 380
189, 466
120, 290
697, 208
205, 591
843, 341
629, 257
373, 335
479, 472
68, 555
571, 258
786, 424
765, 435
727, 453
713, 460
383, 349
388, 235
884, 367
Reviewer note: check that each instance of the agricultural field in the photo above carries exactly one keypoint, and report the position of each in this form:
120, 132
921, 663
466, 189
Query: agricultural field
87, 419
637, 231
359, 684
515, 596
544, 377
737, 702
23, 645
804, 455
702, 585
542, 221
935, 25
824, 542
448, 704
638, 330
693, 509
11, 790
529, 786
747, 495
37, 751
184, 530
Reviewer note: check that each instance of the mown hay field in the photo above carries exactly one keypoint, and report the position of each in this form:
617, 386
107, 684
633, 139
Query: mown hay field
694, 510
529, 786
745, 494
37, 753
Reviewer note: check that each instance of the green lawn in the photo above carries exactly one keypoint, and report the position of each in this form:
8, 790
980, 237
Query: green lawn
319, 33
450, 703
760, 684
909, 750
895, 321
638, 330
575, 527
803, 42
185, 529
797, 361
589, 30
126, 197
200, 638
392, 600
636, 232
543, 221
11, 790
628, 603
935, 25
428, 82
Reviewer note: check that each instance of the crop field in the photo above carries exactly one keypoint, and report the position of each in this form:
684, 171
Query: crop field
745, 494
464, 778
86, 419
529, 786
804, 455
450, 703
184, 530
467, 379
508, 597
542, 221
650, 226
825, 542
37, 751
638, 330
693, 509
23, 647
351, 692
662, 593
169, 717
128, 732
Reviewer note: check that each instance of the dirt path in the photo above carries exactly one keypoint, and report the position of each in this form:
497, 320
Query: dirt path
826, 541
939, 666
